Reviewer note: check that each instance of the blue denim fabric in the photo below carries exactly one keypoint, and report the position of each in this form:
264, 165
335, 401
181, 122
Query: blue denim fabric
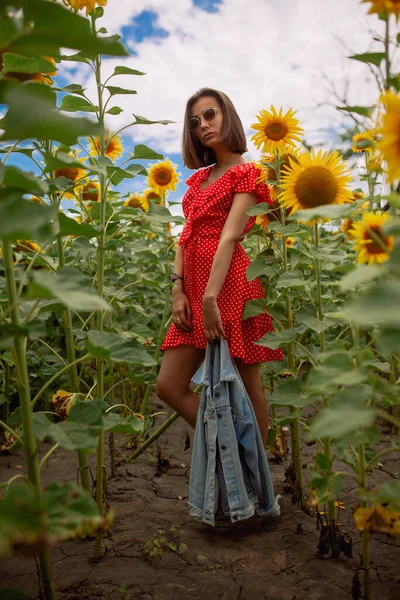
229, 476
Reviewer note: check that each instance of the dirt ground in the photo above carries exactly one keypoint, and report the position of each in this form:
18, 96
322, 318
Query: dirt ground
154, 551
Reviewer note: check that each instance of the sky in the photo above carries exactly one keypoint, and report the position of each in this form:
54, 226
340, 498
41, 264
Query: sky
259, 52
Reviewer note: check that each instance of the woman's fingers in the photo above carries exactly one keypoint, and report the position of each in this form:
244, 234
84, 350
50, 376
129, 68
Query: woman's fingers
188, 311
182, 323
221, 330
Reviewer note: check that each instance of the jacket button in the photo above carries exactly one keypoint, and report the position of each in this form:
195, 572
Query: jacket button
217, 394
235, 517
223, 447
219, 416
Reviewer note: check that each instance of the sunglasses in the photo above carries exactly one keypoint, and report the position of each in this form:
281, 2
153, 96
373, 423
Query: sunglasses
208, 115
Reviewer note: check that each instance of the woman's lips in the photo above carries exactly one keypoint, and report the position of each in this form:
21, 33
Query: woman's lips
207, 136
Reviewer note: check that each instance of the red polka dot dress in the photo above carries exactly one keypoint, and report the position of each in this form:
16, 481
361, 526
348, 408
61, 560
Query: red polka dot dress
205, 211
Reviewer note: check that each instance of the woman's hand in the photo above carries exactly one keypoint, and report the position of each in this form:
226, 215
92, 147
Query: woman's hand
212, 319
181, 311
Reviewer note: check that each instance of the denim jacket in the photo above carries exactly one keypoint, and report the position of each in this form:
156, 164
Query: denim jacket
229, 475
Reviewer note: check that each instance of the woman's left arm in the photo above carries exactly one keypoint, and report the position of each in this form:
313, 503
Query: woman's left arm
232, 231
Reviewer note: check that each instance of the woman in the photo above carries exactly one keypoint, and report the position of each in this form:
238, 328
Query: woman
210, 283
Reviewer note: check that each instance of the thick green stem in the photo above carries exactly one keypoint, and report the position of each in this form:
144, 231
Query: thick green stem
100, 287
153, 437
26, 411
160, 337
73, 371
327, 440
294, 426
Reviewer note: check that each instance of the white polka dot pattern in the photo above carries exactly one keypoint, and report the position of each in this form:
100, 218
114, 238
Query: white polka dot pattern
206, 211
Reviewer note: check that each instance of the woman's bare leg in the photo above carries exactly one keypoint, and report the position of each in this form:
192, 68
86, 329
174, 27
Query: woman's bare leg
177, 369
251, 378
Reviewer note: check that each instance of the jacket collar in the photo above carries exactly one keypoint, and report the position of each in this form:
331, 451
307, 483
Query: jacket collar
217, 357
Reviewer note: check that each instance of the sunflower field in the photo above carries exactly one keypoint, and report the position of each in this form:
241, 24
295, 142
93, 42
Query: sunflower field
85, 290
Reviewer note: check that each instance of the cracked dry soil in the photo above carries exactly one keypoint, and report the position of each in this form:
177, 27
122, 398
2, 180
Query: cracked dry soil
154, 551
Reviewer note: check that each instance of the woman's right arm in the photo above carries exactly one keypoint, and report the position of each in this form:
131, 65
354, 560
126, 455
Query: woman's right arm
181, 311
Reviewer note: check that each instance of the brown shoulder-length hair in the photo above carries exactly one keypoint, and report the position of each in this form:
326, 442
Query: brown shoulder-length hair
195, 154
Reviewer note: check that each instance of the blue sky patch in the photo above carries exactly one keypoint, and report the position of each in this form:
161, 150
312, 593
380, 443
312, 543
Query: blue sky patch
211, 6
144, 26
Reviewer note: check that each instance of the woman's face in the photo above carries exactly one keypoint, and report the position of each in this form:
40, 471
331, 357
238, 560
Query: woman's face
208, 132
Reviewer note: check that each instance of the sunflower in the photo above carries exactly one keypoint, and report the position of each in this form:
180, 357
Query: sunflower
137, 201
152, 196
347, 227
45, 78
358, 195
369, 250
90, 192
363, 142
377, 518
37, 200
374, 162
275, 130
163, 176
384, 6
88, 4
263, 221
316, 180
268, 173
26, 246
75, 174
112, 144
290, 241
390, 130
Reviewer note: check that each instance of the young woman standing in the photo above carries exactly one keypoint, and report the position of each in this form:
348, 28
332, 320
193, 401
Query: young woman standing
210, 283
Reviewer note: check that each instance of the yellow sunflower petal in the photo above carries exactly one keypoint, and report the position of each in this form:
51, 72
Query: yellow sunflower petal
316, 179
384, 6
369, 250
112, 144
276, 131
390, 130
363, 142
162, 176
81, 4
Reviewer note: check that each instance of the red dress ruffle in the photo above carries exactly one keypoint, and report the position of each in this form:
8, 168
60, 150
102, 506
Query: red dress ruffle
206, 212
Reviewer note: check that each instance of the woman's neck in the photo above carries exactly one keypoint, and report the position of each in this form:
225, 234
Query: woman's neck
225, 158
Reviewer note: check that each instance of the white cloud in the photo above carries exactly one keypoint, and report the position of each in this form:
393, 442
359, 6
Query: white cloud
259, 52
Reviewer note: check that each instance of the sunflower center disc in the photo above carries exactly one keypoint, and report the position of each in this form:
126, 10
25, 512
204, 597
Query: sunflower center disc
90, 193
373, 246
162, 177
134, 202
276, 131
316, 186
71, 174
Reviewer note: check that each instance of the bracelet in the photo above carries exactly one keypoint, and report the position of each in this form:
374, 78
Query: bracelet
175, 276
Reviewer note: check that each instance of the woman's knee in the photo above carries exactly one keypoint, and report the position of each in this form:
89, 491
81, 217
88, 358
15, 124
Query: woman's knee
163, 389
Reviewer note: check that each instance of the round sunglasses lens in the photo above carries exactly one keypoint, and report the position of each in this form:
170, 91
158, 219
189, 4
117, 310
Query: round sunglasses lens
209, 114
193, 123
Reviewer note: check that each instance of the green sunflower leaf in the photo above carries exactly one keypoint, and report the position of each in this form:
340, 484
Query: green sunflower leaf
75, 104
115, 110
114, 347
336, 422
330, 211
71, 287
144, 152
21, 220
121, 70
118, 90
69, 226
144, 121
16, 63
365, 111
374, 58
